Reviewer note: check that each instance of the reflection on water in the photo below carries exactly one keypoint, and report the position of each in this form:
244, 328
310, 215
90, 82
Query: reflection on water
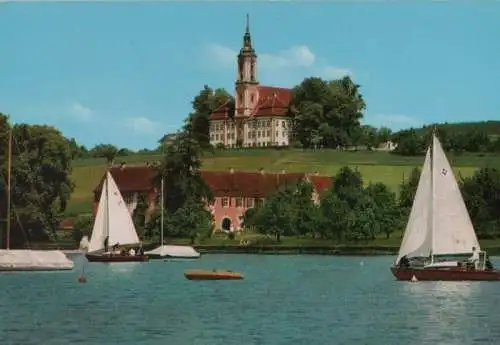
283, 300
441, 308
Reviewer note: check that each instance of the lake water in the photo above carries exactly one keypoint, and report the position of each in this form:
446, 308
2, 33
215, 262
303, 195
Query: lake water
284, 300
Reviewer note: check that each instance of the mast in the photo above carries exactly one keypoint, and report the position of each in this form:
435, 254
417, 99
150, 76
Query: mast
161, 210
107, 203
9, 168
431, 203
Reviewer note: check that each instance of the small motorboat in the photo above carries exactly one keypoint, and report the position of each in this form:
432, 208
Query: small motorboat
115, 257
212, 275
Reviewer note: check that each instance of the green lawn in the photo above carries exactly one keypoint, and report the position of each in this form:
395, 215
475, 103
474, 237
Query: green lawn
375, 166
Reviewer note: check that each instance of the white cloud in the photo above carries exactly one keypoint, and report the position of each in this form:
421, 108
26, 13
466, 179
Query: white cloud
221, 54
285, 66
81, 112
296, 56
394, 121
143, 125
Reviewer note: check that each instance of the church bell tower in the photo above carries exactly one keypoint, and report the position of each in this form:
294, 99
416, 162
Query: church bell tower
247, 73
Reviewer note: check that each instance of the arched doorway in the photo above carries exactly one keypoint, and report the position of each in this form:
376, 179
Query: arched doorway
225, 225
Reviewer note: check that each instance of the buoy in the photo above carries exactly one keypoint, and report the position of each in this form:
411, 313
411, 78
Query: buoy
82, 279
414, 279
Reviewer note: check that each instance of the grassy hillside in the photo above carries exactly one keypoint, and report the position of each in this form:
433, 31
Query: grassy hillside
375, 166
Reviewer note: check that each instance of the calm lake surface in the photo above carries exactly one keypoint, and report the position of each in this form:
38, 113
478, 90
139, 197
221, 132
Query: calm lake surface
284, 300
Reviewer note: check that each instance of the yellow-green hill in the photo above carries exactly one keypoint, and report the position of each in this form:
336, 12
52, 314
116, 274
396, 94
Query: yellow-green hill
375, 166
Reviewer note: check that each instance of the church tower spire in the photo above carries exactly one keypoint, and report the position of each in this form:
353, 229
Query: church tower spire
247, 59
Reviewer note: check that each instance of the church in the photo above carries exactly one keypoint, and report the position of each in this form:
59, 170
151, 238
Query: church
260, 117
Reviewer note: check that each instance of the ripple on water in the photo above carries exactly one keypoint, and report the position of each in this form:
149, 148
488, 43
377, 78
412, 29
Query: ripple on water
284, 300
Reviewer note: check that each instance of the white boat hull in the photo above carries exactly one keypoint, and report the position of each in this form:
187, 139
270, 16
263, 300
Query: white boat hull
34, 260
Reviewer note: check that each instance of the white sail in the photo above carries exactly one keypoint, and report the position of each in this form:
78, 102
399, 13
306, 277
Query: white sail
99, 229
112, 219
121, 227
453, 231
417, 240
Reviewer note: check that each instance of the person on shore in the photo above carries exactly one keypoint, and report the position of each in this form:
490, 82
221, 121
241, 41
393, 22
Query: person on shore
474, 258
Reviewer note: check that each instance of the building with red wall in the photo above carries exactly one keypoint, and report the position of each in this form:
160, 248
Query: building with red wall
234, 191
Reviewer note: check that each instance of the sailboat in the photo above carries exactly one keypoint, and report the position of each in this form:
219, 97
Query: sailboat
12, 260
113, 224
439, 237
170, 251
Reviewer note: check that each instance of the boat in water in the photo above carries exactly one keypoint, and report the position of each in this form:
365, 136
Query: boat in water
170, 252
113, 228
439, 240
212, 275
12, 260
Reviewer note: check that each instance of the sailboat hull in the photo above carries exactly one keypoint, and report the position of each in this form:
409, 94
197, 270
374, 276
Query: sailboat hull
444, 274
115, 258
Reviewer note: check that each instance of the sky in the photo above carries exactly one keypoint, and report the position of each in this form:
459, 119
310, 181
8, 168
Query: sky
126, 73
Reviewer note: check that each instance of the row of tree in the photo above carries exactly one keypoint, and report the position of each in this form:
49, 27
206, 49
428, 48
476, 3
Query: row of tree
354, 212
411, 142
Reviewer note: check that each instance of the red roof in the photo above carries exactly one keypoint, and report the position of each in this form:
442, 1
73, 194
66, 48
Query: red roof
139, 178
247, 184
133, 178
272, 101
321, 183
221, 113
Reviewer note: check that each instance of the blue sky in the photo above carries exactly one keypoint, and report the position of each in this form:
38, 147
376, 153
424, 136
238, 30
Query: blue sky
126, 73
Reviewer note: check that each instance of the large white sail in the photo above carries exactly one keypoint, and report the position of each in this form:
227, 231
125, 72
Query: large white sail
417, 240
112, 219
121, 227
99, 230
453, 231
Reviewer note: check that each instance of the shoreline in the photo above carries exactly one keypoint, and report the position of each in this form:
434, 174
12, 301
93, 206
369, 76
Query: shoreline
362, 250
327, 250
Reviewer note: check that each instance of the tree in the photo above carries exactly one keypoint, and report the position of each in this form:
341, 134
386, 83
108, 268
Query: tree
481, 193
107, 151
383, 135
408, 189
41, 185
409, 143
334, 216
139, 214
276, 217
305, 217
328, 109
387, 215
478, 141
369, 137
348, 185
82, 226
186, 193
204, 104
